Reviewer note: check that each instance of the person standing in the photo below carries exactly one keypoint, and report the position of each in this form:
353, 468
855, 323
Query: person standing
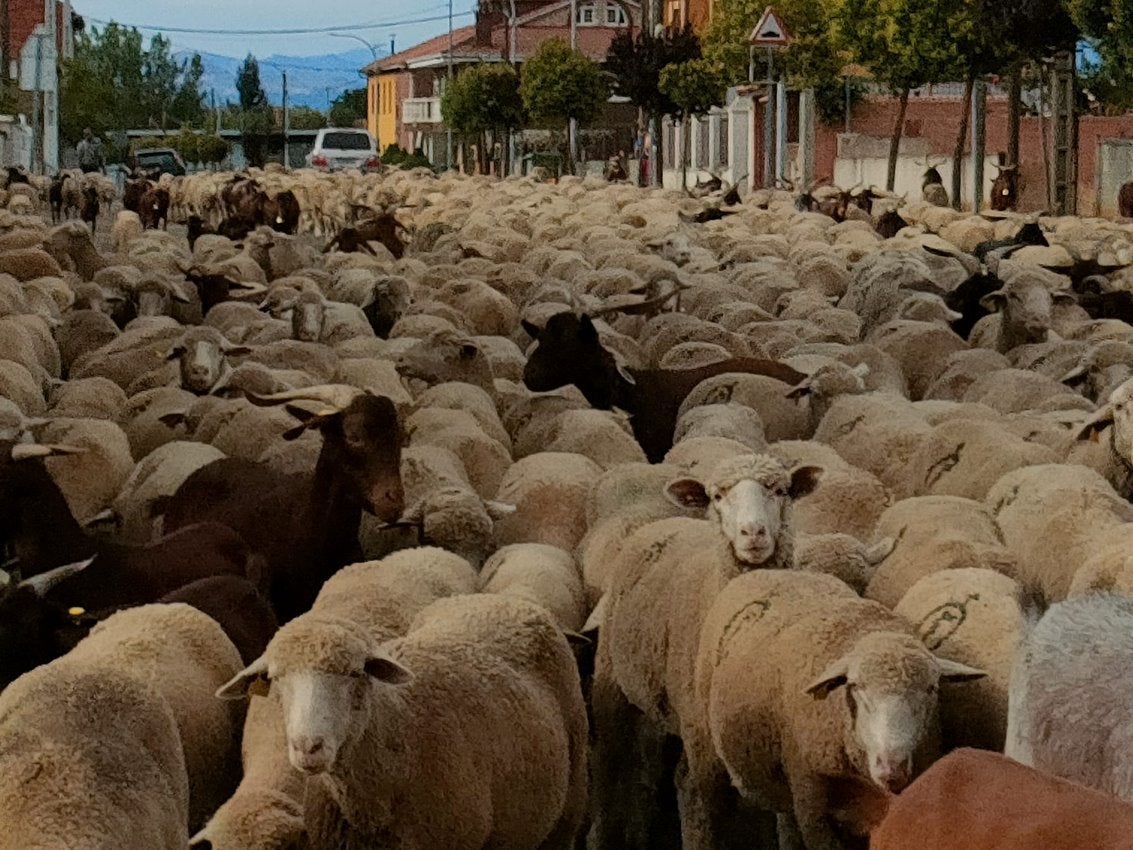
90, 153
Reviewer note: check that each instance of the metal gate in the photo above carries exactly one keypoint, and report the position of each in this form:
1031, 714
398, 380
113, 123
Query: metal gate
1115, 166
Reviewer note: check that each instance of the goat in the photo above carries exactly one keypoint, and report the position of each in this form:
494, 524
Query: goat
63, 566
932, 188
889, 224
1125, 200
55, 196
89, 206
154, 208
280, 213
568, 351
214, 288
133, 192
1029, 234
383, 228
16, 174
358, 468
237, 605
1005, 188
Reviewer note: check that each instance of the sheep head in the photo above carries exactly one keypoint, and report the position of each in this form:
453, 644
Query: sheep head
892, 687
750, 497
325, 670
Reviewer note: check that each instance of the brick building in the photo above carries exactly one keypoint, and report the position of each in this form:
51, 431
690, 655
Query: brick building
678, 13
404, 90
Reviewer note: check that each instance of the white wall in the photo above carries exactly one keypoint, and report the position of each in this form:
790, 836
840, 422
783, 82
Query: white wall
867, 171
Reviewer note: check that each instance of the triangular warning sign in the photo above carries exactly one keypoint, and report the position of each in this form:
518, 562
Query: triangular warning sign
770, 32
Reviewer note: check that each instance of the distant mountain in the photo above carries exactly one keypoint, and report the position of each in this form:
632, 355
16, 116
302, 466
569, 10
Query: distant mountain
310, 79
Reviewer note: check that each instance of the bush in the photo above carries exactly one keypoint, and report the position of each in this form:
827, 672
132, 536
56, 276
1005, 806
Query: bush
398, 157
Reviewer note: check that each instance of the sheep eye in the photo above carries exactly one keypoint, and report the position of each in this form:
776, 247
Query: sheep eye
719, 497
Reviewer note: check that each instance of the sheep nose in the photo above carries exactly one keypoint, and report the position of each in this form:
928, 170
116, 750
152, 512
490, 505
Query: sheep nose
309, 746
750, 529
892, 774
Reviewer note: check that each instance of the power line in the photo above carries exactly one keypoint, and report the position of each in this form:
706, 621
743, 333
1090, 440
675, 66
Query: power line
307, 31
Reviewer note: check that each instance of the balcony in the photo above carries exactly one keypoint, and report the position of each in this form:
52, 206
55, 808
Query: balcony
421, 110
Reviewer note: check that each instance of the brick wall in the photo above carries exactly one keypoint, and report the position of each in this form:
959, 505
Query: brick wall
23, 17
935, 122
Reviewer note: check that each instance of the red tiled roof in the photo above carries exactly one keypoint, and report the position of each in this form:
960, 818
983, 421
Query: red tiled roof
462, 39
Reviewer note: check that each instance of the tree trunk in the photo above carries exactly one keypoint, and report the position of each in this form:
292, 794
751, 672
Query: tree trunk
895, 141
1014, 112
685, 145
961, 137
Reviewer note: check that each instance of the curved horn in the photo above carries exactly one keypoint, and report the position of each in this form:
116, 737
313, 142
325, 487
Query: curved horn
25, 451
337, 396
43, 582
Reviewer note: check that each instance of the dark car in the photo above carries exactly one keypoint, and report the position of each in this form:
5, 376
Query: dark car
153, 162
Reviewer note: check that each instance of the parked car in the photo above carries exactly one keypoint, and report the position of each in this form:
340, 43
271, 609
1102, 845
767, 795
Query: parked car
153, 162
344, 147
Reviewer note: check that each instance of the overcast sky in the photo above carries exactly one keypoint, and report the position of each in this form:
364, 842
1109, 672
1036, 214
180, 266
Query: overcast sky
375, 21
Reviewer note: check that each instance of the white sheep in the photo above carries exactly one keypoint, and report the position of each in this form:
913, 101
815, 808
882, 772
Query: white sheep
545, 575
774, 650
1069, 691
468, 732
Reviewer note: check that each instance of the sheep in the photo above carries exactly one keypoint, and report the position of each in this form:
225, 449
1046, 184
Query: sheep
549, 491
90, 479
539, 573
183, 655
485, 460
1065, 688
667, 574
977, 617
1052, 517
731, 420
773, 731
89, 398
126, 229
934, 534
995, 803
1114, 415
201, 355
91, 756
439, 687
1024, 305
842, 556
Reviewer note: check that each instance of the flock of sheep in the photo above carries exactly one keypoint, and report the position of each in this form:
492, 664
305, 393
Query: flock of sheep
581, 515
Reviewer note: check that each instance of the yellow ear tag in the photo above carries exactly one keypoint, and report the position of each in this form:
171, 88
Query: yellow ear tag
76, 611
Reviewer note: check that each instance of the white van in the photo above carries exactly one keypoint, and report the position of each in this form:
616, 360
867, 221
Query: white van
344, 147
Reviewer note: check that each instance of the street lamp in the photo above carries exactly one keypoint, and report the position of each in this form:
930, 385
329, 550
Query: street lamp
373, 50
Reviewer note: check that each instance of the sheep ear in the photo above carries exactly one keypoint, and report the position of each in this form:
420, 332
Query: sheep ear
586, 328
832, 678
1064, 298
27, 451
237, 350
803, 480
175, 352
1075, 377
1102, 419
994, 301
687, 493
953, 671
385, 669
499, 510
251, 681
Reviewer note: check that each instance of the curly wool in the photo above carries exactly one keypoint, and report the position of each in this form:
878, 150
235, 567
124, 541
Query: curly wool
766, 469
320, 642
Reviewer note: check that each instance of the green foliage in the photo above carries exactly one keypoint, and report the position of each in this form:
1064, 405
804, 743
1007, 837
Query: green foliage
484, 97
635, 64
695, 86
248, 85
906, 43
397, 156
559, 83
115, 82
212, 149
348, 108
812, 59
306, 118
1106, 23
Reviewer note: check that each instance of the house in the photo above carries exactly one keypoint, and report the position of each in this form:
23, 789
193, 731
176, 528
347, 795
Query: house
18, 22
404, 90
680, 13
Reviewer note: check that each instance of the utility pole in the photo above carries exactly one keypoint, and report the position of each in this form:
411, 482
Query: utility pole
286, 125
50, 90
572, 125
512, 51
654, 151
448, 83
215, 111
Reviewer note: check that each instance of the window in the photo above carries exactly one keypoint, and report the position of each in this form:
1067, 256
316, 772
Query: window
616, 15
586, 14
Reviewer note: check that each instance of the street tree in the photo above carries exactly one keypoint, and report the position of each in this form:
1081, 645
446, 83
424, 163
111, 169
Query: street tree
256, 116
694, 87
348, 108
483, 99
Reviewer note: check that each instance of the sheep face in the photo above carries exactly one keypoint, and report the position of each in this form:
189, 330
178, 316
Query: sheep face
308, 317
202, 360
751, 505
329, 679
891, 684
446, 357
1026, 307
1117, 412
